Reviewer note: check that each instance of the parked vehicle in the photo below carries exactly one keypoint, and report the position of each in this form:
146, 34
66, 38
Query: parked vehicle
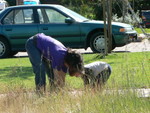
3, 4
145, 18
31, 2
18, 23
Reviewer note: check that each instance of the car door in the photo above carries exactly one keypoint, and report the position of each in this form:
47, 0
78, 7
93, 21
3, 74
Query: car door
18, 26
52, 23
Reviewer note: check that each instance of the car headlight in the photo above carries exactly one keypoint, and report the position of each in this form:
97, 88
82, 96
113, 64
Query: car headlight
122, 30
125, 29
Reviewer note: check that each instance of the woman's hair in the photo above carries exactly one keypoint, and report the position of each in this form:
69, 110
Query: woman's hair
74, 61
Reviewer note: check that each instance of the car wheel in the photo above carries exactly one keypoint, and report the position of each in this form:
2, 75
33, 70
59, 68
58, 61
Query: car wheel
97, 43
4, 48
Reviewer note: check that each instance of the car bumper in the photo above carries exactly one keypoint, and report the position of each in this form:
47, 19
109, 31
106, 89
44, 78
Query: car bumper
146, 22
123, 39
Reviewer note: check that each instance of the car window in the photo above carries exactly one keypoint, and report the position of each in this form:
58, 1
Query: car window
19, 16
28, 15
146, 13
41, 16
50, 16
8, 19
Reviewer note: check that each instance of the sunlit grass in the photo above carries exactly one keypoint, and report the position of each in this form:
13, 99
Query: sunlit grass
129, 71
147, 30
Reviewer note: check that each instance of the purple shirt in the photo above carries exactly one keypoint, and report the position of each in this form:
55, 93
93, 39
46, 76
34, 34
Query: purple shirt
53, 50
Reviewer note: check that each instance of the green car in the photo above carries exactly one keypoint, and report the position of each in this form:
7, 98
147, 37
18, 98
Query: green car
18, 23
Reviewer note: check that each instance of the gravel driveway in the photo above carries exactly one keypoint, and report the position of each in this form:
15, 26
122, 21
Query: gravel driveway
139, 46
142, 46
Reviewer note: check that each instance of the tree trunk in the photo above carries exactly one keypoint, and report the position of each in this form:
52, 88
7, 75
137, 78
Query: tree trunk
19, 2
109, 18
105, 27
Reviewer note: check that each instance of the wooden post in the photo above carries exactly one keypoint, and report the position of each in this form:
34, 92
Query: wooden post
109, 18
107, 15
105, 27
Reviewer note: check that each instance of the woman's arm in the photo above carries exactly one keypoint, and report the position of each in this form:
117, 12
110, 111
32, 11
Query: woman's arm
59, 78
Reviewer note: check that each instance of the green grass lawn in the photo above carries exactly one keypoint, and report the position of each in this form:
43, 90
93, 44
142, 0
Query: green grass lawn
129, 70
140, 31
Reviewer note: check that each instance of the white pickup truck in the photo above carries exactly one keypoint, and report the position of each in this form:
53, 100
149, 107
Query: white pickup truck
3, 4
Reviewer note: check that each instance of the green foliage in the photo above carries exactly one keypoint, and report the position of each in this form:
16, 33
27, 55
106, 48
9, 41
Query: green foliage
129, 19
98, 10
93, 9
11, 2
80, 6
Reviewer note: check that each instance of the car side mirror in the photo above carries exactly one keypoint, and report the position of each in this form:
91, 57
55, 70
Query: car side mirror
69, 20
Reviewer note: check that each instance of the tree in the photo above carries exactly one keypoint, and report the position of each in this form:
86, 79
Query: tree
11, 2
19, 2
93, 8
49, 1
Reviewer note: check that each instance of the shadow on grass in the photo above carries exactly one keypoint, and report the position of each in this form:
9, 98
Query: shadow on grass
121, 51
17, 71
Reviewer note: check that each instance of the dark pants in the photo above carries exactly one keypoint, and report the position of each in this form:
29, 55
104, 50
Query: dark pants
40, 65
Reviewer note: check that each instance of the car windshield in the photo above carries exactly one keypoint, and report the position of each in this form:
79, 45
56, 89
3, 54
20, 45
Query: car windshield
147, 14
73, 14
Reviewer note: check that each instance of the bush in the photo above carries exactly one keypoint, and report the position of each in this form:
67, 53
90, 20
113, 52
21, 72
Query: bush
129, 19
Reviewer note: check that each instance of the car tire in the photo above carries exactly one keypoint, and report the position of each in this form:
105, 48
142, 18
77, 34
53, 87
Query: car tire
97, 43
4, 48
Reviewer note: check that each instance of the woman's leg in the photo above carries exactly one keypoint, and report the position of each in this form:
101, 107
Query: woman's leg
50, 73
37, 63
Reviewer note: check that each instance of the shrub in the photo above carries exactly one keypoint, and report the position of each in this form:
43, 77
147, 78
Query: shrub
129, 19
